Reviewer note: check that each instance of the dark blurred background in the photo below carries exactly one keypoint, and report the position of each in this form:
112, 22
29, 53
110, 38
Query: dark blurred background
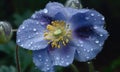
15, 11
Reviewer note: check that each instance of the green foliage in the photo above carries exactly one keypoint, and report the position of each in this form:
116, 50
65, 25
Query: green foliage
113, 66
20, 18
7, 69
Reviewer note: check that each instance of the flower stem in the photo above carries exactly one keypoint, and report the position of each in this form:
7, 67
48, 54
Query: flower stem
17, 59
14, 30
91, 66
74, 68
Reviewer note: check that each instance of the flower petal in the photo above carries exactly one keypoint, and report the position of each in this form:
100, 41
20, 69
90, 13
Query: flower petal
42, 60
60, 16
30, 35
63, 56
53, 8
87, 49
42, 17
87, 17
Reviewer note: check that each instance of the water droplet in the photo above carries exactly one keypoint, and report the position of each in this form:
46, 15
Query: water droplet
92, 14
88, 62
29, 45
34, 29
18, 40
103, 18
40, 60
78, 51
29, 36
91, 49
37, 22
48, 68
47, 60
88, 50
31, 42
96, 41
87, 57
81, 41
37, 33
22, 45
39, 55
95, 19
81, 45
84, 49
68, 56
78, 44
95, 27
57, 58
47, 65
100, 44
33, 16
86, 18
67, 63
101, 35
23, 27
45, 11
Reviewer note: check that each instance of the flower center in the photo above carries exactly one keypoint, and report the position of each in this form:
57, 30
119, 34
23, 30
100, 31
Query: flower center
58, 33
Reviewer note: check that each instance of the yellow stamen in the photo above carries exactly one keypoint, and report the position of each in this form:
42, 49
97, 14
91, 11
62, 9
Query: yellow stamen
58, 34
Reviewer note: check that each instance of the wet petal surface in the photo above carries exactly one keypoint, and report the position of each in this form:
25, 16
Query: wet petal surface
87, 49
30, 35
63, 56
42, 60
86, 17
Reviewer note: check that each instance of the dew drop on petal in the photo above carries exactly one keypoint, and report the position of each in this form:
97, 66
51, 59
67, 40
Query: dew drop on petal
86, 18
92, 14
48, 68
103, 18
33, 16
18, 40
87, 57
39, 56
34, 29
22, 45
101, 35
88, 50
37, 22
23, 27
91, 49
81, 45
84, 49
47, 60
95, 27
45, 11
96, 41
57, 58
67, 63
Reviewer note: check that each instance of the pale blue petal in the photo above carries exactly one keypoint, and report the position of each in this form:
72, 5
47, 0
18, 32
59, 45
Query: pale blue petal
60, 16
63, 56
42, 17
53, 8
30, 35
86, 17
88, 48
42, 60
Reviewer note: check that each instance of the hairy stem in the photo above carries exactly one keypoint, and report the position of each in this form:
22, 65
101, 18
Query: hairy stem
17, 59
14, 30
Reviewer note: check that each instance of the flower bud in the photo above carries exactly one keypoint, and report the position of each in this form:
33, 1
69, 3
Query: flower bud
74, 4
5, 32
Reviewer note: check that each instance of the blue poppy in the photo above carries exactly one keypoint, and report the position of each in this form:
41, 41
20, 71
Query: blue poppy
58, 34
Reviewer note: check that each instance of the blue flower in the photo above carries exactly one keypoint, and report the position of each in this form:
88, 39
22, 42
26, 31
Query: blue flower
58, 34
